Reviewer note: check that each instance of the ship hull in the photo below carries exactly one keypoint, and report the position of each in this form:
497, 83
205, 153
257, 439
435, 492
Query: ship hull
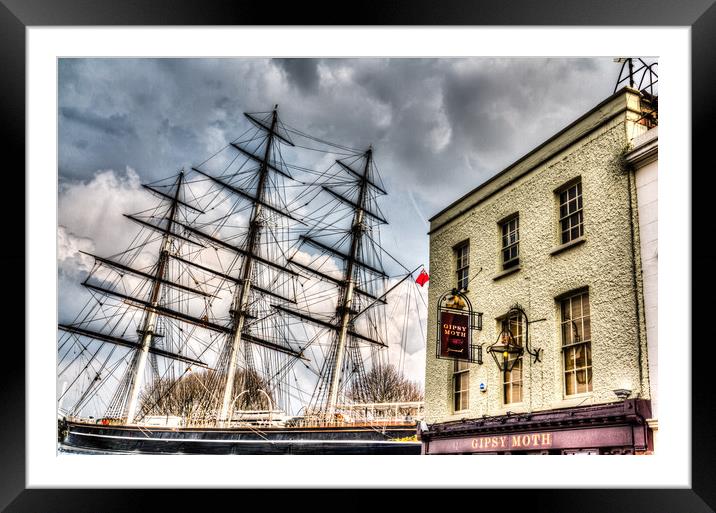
80, 437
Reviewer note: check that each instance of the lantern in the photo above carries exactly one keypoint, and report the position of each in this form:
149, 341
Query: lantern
503, 349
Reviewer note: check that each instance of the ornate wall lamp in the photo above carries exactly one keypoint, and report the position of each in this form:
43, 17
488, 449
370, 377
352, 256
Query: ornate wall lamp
503, 348
506, 351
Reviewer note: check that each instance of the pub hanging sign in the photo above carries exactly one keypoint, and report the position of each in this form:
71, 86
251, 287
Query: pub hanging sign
456, 322
455, 335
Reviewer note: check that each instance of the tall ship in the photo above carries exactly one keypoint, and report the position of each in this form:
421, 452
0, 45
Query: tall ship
256, 311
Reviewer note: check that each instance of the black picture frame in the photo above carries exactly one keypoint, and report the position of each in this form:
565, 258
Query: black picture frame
17, 15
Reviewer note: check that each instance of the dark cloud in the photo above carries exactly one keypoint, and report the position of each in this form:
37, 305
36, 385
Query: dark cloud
177, 135
432, 122
116, 124
303, 73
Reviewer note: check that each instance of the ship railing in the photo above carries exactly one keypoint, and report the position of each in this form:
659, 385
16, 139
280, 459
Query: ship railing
365, 414
90, 419
356, 414
258, 418
241, 418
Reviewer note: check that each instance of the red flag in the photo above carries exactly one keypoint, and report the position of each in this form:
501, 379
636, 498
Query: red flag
422, 278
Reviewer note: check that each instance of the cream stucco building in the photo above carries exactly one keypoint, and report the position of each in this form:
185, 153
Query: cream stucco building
559, 234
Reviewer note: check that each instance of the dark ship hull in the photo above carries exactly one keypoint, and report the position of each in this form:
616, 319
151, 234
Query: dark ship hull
348, 440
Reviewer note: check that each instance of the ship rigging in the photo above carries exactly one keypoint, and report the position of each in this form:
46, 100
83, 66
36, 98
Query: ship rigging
257, 281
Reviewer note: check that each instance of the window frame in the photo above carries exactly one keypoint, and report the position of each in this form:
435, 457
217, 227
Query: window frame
505, 245
571, 349
507, 379
460, 368
459, 270
569, 215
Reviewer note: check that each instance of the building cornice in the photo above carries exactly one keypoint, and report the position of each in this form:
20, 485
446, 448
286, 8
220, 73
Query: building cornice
646, 149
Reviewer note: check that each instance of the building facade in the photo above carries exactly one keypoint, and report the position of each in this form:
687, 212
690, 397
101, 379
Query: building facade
546, 260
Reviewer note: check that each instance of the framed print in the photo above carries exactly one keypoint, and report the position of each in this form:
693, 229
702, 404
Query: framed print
63, 64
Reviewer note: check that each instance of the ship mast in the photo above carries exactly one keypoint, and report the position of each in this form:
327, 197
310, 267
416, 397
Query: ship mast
357, 229
257, 284
148, 330
241, 297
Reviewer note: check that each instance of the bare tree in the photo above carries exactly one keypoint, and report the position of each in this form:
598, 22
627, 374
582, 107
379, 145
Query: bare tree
385, 384
195, 394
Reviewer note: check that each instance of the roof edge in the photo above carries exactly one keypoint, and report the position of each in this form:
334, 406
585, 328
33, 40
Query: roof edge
554, 137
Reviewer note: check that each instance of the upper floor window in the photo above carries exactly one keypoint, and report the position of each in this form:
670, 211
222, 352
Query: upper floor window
462, 259
461, 386
510, 242
577, 343
512, 379
571, 216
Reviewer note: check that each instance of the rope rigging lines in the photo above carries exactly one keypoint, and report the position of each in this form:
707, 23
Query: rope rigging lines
235, 223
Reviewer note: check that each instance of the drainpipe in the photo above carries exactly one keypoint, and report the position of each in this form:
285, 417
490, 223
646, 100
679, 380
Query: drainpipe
637, 308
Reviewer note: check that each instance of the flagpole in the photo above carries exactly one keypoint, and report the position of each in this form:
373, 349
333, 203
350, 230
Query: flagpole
387, 291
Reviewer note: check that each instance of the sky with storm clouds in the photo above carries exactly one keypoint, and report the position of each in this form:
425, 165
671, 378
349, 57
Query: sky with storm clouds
438, 127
